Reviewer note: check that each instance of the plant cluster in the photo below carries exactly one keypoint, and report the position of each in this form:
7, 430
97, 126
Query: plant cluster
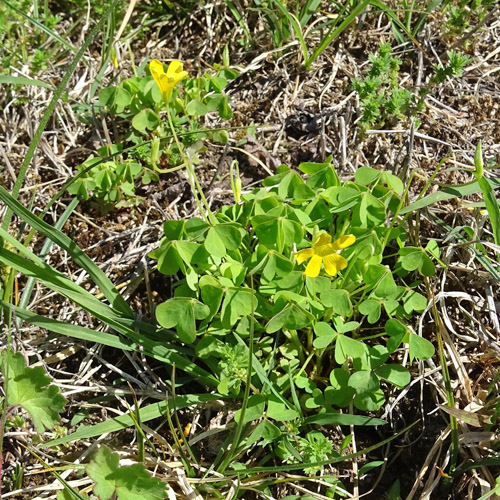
457, 61
147, 146
461, 14
382, 98
245, 288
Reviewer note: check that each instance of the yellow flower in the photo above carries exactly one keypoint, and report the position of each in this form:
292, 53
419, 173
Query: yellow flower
167, 81
326, 252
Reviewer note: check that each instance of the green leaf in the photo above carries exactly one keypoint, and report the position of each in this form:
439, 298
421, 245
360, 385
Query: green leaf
211, 293
173, 229
196, 108
342, 327
345, 346
364, 381
366, 175
27, 387
225, 111
145, 120
278, 411
182, 313
237, 303
338, 300
132, 482
265, 431
414, 301
255, 409
277, 231
122, 99
292, 317
372, 309
396, 331
221, 238
195, 227
419, 347
386, 287
339, 393
369, 212
325, 335
369, 401
276, 265
395, 374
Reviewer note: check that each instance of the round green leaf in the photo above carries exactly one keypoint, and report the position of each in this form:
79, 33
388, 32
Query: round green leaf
395, 374
145, 120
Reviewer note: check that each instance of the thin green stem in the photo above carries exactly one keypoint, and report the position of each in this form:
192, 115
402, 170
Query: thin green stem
195, 185
241, 421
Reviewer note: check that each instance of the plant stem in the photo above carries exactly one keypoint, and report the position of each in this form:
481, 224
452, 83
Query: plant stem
193, 180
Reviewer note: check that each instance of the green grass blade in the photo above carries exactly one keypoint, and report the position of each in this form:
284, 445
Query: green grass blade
239, 425
134, 330
47, 245
239, 19
419, 25
70, 330
447, 194
488, 193
484, 261
122, 422
297, 29
333, 460
308, 11
80, 258
20, 80
335, 32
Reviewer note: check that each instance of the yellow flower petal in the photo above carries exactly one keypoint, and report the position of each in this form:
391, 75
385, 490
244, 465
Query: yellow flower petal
334, 263
174, 67
158, 73
167, 81
322, 239
314, 266
344, 242
303, 255
175, 72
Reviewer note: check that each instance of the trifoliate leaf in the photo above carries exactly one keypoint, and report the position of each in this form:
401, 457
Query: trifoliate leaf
132, 482
27, 387
182, 313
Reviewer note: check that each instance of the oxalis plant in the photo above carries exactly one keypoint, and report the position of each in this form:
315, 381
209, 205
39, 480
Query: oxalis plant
300, 293
148, 145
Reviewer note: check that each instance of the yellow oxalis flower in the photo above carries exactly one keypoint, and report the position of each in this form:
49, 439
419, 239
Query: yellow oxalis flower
167, 81
326, 252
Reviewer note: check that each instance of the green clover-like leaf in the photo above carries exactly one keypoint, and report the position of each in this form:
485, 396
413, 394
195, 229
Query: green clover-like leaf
346, 346
222, 237
419, 347
395, 374
182, 313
